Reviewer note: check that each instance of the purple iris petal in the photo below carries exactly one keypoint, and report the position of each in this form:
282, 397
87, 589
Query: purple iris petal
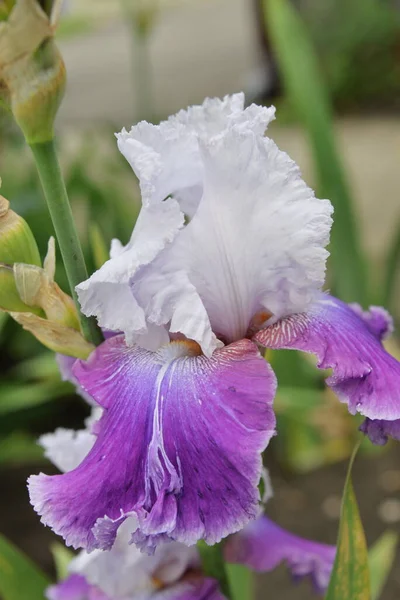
178, 447
381, 324
263, 545
377, 319
379, 430
75, 587
364, 375
198, 589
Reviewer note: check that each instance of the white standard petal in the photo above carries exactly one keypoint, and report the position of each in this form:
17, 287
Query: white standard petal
256, 245
106, 294
166, 157
125, 572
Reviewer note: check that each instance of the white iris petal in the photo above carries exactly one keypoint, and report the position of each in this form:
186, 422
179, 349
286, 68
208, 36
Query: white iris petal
254, 243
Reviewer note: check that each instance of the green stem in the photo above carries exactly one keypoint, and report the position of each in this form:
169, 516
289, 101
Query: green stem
142, 75
141, 23
60, 211
213, 565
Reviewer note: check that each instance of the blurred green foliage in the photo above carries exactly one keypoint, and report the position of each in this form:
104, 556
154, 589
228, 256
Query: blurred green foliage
358, 44
105, 203
19, 577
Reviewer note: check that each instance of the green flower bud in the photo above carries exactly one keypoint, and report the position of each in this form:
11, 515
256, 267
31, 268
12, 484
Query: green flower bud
32, 72
9, 297
17, 243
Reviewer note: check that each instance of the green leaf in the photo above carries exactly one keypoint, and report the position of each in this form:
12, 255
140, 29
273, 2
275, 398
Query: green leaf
42, 366
14, 397
19, 577
392, 270
350, 578
307, 94
19, 448
62, 556
241, 581
213, 565
98, 244
381, 557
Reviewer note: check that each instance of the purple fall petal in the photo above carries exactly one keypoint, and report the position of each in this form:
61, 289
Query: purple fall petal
377, 319
381, 325
263, 545
178, 447
346, 340
75, 587
379, 430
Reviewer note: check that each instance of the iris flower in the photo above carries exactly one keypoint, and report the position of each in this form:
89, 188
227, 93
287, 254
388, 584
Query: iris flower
228, 254
174, 571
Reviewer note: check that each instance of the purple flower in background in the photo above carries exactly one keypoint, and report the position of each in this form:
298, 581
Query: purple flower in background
75, 587
228, 252
263, 545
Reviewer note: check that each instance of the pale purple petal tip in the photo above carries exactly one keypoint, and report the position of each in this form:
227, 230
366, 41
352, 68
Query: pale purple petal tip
178, 447
379, 431
348, 341
377, 319
75, 587
263, 545
198, 589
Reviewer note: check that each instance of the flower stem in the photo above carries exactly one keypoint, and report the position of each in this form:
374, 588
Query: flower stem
142, 75
213, 565
60, 211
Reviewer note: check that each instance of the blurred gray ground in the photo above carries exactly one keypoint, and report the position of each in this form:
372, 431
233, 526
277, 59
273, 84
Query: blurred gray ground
198, 48
209, 48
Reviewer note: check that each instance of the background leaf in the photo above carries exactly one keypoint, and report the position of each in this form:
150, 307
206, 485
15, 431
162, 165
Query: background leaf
14, 396
307, 94
241, 581
392, 270
62, 556
381, 557
18, 448
19, 577
350, 576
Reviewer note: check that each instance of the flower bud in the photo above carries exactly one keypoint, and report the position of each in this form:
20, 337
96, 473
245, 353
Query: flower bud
32, 72
37, 288
17, 243
9, 297
36, 302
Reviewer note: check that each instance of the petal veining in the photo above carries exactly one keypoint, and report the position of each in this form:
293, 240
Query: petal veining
364, 374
